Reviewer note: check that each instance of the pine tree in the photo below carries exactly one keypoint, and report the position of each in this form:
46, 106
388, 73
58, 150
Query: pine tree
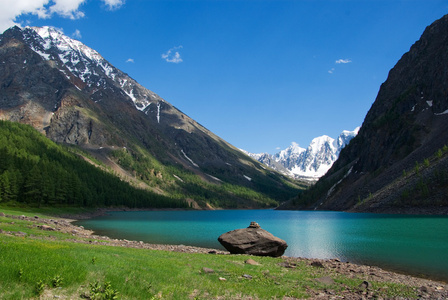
33, 186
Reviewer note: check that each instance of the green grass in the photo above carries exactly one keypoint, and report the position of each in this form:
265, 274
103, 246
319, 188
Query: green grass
31, 266
17, 208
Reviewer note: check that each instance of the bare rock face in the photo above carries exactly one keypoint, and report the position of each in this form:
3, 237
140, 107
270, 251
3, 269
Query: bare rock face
254, 241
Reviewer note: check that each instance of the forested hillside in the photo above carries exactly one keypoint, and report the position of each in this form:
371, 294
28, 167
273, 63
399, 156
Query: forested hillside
73, 96
36, 171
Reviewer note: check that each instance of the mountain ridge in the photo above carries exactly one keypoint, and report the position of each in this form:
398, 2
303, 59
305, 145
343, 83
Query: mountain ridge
70, 93
398, 162
309, 163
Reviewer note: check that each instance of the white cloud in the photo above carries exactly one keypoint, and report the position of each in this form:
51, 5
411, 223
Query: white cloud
172, 55
77, 34
10, 9
67, 8
331, 71
44, 9
343, 61
130, 60
113, 4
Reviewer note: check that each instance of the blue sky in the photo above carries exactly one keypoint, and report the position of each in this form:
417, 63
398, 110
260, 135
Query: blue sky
258, 73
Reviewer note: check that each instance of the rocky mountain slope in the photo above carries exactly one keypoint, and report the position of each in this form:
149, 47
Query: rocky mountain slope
307, 164
398, 162
70, 93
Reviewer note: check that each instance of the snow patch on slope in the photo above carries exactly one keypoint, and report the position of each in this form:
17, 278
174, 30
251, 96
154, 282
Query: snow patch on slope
189, 159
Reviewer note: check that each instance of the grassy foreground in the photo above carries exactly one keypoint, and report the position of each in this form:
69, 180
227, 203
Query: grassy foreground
46, 264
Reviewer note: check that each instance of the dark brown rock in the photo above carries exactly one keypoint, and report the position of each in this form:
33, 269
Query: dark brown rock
317, 264
365, 285
208, 270
253, 241
288, 265
46, 227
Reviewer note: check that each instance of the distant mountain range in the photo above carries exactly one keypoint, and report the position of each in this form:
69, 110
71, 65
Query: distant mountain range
73, 95
309, 163
398, 162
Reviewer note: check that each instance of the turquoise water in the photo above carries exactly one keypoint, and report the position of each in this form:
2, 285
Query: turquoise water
412, 244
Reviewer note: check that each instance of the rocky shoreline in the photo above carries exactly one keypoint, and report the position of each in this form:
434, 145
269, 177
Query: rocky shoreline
426, 288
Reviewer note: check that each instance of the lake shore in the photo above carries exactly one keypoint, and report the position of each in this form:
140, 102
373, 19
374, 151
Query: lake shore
429, 289
411, 211
426, 288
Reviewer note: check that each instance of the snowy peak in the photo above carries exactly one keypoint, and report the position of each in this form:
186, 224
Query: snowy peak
292, 151
53, 37
81, 60
345, 137
322, 142
310, 163
78, 61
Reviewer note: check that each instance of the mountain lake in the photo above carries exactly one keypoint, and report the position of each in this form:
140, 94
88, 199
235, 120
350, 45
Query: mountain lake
416, 245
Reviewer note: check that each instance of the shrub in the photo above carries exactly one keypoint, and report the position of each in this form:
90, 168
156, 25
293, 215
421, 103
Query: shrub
56, 281
102, 292
40, 287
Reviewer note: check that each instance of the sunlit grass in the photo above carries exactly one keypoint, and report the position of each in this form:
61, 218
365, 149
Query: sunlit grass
31, 265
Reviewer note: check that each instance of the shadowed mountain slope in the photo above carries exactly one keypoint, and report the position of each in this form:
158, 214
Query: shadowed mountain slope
398, 162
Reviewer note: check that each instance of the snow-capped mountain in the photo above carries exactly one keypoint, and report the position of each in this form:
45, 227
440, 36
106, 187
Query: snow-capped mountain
87, 65
310, 163
73, 95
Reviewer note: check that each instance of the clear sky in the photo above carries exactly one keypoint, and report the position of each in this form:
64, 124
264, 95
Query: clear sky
258, 73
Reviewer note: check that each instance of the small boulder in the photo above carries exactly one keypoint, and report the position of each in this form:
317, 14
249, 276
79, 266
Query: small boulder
253, 241
287, 264
326, 280
2, 214
46, 227
252, 262
208, 270
365, 285
317, 264
254, 225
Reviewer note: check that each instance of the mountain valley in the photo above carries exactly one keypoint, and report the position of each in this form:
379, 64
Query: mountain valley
72, 95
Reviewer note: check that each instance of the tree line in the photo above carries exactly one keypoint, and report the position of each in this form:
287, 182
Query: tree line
36, 171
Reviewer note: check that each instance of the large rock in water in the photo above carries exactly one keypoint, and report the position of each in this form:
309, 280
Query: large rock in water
254, 241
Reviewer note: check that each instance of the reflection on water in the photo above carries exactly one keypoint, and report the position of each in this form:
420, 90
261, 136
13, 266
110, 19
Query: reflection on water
413, 244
